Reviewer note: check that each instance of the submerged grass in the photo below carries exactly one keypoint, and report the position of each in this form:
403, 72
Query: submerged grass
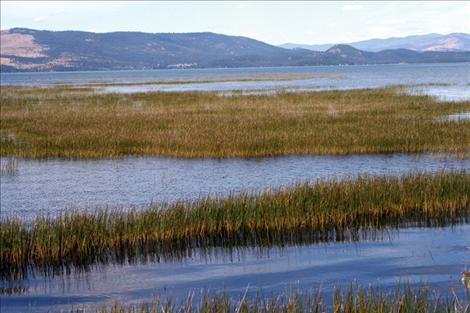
307, 212
351, 300
79, 123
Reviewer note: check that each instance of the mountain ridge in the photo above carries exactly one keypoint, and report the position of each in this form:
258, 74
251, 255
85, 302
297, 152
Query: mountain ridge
24, 49
428, 42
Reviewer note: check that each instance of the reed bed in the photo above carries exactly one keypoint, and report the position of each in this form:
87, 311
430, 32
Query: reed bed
332, 210
80, 123
351, 300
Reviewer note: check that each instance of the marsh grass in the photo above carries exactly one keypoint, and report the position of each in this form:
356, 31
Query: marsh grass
221, 78
333, 210
79, 123
8, 166
404, 299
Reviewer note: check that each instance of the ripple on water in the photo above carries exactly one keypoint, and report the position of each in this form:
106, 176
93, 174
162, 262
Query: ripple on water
39, 186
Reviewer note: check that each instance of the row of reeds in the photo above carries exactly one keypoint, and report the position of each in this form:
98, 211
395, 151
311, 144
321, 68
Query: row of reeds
334, 210
352, 300
79, 123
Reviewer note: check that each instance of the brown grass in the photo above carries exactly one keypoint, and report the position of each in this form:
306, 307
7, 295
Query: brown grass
311, 212
404, 299
77, 123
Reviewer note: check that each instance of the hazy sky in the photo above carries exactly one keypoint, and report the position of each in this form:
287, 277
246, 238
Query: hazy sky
273, 22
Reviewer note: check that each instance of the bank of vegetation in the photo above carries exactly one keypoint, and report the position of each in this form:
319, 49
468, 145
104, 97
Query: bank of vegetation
331, 210
80, 123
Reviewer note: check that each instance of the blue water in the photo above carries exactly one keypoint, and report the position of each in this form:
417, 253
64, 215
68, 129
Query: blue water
51, 185
433, 256
456, 75
436, 256
453, 92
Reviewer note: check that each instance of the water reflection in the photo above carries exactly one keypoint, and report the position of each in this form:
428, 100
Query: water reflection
432, 255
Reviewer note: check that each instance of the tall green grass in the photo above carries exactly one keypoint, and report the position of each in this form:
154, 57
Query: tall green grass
322, 211
79, 123
351, 300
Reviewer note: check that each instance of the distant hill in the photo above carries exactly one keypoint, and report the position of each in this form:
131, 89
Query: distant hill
429, 42
37, 50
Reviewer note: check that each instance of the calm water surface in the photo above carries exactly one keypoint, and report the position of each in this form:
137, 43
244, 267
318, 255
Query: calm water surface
436, 256
450, 93
455, 75
50, 185
433, 256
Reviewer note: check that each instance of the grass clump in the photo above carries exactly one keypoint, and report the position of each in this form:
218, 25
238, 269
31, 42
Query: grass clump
352, 300
333, 210
60, 122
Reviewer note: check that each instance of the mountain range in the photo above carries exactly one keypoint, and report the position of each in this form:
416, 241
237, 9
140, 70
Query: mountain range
25, 49
429, 42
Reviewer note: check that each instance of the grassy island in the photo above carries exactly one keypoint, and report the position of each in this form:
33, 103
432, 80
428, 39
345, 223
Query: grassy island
332, 210
77, 122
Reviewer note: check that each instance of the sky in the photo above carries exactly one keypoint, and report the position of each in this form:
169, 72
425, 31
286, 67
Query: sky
273, 22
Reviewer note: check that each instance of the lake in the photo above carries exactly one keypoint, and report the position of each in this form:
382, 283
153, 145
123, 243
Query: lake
435, 256
454, 76
51, 185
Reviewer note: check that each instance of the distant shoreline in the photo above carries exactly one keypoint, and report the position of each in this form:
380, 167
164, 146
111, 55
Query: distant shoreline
33, 50
220, 68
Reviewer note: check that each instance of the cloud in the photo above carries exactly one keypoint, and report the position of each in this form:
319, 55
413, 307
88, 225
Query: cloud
352, 7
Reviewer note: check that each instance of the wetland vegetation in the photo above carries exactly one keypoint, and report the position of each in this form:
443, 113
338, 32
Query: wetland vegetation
404, 299
73, 122
68, 121
221, 79
332, 189
332, 210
